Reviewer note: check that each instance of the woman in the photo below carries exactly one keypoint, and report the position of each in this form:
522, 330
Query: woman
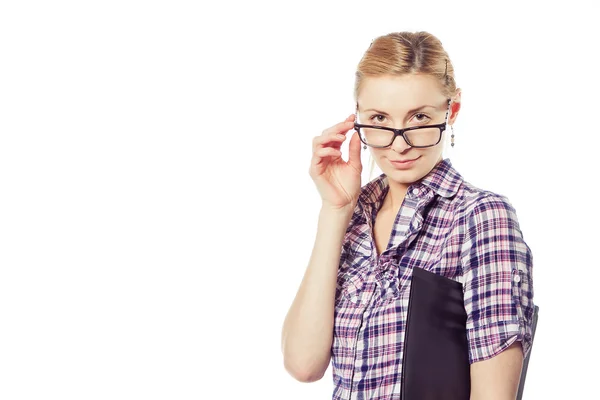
419, 217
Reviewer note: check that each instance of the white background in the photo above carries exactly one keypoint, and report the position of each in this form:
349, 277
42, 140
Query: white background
156, 212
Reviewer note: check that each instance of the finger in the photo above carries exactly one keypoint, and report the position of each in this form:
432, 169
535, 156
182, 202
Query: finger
341, 127
354, 151
321, 154
328, 141
328, 152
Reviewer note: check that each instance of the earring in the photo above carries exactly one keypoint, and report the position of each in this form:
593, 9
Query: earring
452, 137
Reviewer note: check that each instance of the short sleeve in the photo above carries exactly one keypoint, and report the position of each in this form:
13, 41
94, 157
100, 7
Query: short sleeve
497, 280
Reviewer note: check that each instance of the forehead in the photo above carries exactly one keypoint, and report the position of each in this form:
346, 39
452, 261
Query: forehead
399, 92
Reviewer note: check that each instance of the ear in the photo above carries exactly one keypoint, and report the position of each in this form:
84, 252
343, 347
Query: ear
455, 106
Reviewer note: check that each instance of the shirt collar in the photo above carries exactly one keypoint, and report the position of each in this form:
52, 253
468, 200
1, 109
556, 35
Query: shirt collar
443, 179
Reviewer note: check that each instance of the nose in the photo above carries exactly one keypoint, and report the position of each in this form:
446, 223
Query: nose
399, 145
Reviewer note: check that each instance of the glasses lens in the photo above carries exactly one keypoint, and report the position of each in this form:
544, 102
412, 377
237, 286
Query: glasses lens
416, 137
423, 137
376, 137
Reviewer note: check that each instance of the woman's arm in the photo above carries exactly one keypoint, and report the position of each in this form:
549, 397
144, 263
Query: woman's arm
497, 378
498, 283
308, 327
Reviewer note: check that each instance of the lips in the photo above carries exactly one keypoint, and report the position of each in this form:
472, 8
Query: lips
403, 161
404, 164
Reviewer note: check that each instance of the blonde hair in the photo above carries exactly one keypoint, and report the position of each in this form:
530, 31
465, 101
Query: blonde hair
400, 53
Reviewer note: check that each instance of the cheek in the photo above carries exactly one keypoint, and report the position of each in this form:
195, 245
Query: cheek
375, 153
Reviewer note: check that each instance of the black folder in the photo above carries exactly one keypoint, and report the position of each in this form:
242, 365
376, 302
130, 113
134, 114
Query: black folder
435, 363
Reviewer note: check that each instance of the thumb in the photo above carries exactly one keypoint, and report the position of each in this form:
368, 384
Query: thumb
354, 151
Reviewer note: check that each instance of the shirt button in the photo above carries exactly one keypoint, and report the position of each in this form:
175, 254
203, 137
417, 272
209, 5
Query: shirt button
415, 191
354, 299
517, 278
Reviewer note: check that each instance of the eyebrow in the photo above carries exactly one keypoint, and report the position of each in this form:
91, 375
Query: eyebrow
409, 111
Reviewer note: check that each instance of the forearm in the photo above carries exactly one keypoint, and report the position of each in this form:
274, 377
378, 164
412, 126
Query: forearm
308, 327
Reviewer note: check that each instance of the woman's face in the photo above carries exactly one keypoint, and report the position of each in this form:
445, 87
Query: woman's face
399, 102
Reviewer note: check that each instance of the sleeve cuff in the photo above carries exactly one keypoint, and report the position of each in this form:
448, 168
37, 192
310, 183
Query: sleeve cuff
489, 340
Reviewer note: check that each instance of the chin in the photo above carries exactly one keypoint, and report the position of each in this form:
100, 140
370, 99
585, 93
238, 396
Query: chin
405, 176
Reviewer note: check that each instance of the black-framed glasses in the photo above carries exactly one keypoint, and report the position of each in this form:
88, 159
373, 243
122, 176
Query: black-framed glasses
415, 136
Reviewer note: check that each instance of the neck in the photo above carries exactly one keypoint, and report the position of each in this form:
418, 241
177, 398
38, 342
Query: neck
395, 196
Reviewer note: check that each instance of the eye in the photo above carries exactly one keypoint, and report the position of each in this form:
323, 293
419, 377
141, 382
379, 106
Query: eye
421, 117
376, 118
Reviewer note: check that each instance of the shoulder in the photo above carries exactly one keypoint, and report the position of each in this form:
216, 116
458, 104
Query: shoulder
477, 203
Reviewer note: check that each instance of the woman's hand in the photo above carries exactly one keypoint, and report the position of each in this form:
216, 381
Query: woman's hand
338, 181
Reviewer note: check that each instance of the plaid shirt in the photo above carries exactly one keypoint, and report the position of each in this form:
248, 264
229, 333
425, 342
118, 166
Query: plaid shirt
446, 226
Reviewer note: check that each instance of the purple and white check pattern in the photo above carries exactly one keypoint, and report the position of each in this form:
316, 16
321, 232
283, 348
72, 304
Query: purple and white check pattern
446, 226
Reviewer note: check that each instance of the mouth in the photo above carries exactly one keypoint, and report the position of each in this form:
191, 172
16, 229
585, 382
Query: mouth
404, 164
404, 161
